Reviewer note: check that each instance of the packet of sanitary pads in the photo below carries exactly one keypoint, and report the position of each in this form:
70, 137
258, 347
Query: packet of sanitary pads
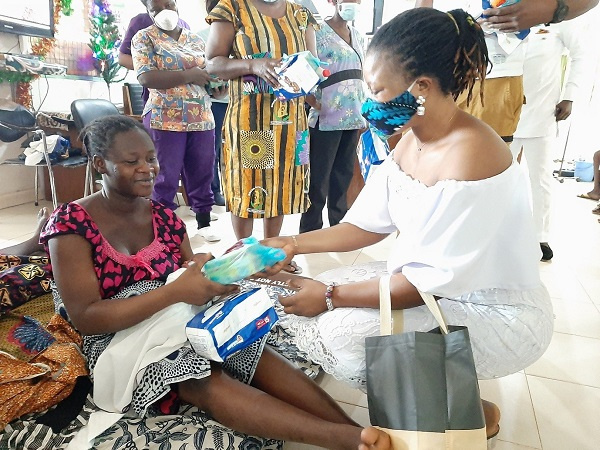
245, 258
231, 325
298, 75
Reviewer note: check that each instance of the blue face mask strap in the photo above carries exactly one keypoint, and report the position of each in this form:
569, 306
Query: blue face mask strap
394, 102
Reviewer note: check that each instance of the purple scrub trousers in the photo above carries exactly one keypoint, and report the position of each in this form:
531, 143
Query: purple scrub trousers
189, 155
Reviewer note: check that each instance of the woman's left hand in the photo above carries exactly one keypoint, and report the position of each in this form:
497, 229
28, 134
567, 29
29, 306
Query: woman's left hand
198, 75
265, 69
309, 299
193, 287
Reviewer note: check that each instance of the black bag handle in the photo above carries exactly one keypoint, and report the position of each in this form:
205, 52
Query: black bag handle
342, 75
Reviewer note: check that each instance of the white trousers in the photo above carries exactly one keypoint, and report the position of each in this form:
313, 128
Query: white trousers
538, 154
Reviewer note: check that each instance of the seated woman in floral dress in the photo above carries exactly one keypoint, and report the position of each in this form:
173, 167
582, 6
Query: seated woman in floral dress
111, 253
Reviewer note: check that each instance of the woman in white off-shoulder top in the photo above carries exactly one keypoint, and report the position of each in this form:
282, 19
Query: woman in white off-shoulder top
456, 201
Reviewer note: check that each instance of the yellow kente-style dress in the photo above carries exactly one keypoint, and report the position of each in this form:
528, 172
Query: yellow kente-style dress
266, 150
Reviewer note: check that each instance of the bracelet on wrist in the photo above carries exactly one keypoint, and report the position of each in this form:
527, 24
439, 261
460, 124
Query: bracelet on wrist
329, 296
295, 243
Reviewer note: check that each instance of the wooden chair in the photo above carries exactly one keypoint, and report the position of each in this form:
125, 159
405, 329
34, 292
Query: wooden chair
133, 103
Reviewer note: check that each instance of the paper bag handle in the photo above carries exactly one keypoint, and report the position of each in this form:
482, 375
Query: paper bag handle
392, 321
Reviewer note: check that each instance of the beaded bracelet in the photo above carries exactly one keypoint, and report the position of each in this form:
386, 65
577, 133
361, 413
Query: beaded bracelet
328, 295
295, 242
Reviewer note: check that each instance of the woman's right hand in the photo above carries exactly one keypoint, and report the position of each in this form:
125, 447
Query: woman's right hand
287, 244
265, 69
308, 300
194, 288
198, 76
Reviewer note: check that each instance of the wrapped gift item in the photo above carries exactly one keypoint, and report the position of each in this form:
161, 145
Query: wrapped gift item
245, 258
58, 149
298, 75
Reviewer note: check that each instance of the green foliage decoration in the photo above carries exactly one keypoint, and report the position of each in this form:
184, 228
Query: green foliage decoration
104, 42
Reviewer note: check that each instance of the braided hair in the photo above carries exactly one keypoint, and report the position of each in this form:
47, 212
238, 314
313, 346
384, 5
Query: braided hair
447, 46
99, 136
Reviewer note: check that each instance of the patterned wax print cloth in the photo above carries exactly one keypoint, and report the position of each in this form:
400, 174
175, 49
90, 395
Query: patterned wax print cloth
266, 150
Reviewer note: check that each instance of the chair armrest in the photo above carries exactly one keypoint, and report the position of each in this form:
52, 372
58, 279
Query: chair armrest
135, 117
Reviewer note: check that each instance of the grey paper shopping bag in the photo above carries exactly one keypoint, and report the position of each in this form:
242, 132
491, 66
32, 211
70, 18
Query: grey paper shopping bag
422, 386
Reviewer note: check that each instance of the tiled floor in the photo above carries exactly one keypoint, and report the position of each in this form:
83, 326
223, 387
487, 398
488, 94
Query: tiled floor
552, 405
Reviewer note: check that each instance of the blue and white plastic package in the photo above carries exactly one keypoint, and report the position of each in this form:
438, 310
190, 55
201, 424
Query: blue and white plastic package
231, 325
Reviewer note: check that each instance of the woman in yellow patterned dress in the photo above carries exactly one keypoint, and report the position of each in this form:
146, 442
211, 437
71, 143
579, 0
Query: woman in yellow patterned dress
265, 154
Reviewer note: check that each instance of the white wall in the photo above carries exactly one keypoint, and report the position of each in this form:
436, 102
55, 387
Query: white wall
193, 12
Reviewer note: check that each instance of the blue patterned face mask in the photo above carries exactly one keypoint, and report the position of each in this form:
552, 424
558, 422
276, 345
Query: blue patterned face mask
386, 118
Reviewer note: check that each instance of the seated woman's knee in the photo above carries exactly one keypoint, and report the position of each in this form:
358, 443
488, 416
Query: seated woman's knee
202, 392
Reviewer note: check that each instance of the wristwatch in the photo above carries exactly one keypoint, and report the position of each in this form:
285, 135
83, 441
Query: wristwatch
560, 13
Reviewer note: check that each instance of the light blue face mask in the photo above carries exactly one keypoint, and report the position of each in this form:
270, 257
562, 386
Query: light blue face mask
348, 11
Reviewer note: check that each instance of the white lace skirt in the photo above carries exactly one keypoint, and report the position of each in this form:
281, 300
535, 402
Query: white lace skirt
509, 331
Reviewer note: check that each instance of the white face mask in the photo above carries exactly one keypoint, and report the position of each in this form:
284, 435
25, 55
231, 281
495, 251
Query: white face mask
166, 19
348, 11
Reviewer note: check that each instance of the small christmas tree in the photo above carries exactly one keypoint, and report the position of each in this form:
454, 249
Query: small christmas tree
104, 42
67, 9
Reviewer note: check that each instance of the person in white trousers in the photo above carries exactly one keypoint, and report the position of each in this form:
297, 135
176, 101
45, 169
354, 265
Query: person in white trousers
547, 103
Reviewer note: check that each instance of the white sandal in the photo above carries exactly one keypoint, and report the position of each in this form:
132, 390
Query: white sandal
209, 234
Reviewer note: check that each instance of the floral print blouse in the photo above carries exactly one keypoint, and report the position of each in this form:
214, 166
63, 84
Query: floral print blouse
340, 102
182, 108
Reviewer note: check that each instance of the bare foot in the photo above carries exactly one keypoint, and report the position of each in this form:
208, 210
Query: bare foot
32, 245
42, 217
492, 418
372, 438
293, 268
